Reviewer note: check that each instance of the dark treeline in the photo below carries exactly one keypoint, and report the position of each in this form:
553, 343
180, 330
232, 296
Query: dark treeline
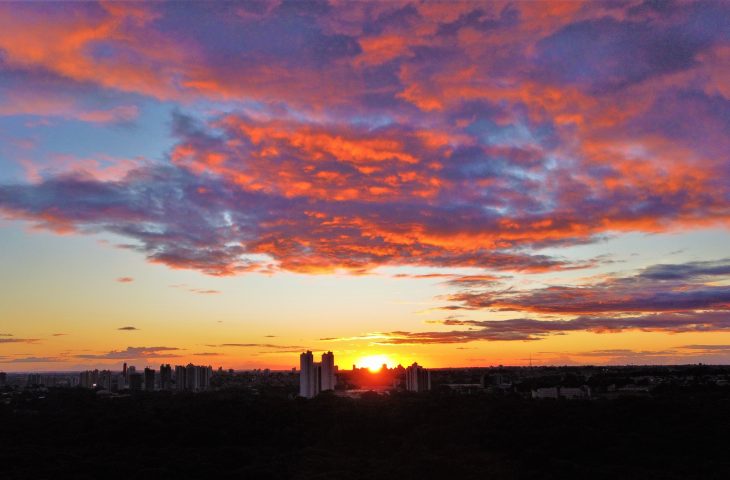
682, 434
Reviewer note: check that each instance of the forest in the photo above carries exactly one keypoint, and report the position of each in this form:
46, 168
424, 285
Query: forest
71, 433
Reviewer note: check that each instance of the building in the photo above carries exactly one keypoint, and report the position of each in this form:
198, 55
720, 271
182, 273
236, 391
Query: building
3, 379
192, 378
315, 378
306, 375
105, 380
89, 379
418, 379
179, 378
149, 379
327, 372
569, 393
135, 381
165, 377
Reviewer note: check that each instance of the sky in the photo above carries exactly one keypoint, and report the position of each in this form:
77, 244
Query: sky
458, 184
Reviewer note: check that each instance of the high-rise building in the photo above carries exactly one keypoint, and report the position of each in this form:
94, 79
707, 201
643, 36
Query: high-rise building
180, 378
191, 377
165, 377
327, 372
149, 379
3, 379
33, 380
105, 380
204, 375
306, 375
89, 379
135, 381
418, 379
316, 377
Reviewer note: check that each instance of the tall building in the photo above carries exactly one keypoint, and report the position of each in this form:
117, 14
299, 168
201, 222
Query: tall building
191, 377
418, 379
165, 377
33, 380
316, 377
3, 379
179, 378
105, 380
306, 375
327, 373
149, 379
135, 381
89, 379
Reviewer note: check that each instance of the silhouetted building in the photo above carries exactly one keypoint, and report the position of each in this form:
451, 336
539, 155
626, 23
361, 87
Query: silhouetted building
193, 378
89, 379
307, 386
165, 377
418, 379
3, 379
179, 378
149, 379
33, 380
327, 372
135, 381
105, 380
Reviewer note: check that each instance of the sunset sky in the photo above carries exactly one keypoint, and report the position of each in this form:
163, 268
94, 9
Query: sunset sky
458, 184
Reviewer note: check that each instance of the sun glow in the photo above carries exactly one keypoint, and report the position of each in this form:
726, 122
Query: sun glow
375, 362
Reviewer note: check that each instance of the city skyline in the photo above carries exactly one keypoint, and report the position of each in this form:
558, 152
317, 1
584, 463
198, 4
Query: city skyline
457, 184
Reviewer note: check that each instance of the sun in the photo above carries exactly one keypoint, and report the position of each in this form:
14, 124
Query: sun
374, 362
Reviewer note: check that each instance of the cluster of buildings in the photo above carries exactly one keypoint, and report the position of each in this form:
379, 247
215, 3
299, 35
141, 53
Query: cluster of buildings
192, 378
317, 377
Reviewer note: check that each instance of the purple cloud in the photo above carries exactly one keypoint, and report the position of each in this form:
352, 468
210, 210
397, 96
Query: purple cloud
356, 135
132, 353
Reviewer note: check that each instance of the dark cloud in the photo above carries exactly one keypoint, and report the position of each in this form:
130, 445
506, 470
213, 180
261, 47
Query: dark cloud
19, 340
529, 329
256, 345
33, 360
133, 352
128, 328
688, 271
658, 288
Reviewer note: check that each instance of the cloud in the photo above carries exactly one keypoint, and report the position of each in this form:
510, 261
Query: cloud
33, 360
133, 352
207, 354
530, 329
128, 328
348, 137
125, 279
19, 340
200, 291
658, 288
256, 345
59, 334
